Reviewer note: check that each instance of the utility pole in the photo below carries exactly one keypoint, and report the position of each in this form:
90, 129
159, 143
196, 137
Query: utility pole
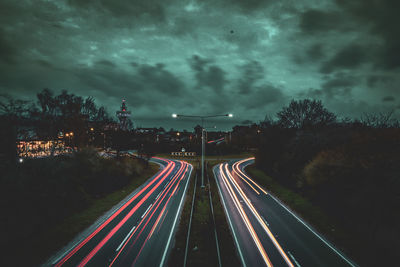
202, 136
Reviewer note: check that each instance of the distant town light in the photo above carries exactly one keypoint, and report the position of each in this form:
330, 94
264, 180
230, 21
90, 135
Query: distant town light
21, 160
92, 129
178, 133
67, 134
174, 115
71, 133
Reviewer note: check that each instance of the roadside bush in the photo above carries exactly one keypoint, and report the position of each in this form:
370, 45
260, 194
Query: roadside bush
48, 190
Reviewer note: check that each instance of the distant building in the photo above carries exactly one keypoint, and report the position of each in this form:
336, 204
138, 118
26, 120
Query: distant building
123, 115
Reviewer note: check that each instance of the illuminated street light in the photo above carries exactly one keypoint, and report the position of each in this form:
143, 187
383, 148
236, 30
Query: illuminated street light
92, 129
71, 134
21, 160
178, 133
67, 134
174, 115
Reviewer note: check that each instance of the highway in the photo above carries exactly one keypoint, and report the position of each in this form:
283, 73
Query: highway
267, 233
140, 232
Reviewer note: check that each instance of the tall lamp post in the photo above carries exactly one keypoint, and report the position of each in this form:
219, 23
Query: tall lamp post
202, 136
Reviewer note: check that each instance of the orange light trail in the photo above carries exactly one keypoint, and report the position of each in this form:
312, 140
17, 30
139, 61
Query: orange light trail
245, 219
241, 174
259, 219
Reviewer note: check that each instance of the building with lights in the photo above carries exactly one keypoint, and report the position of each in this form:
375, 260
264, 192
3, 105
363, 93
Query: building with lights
123, 115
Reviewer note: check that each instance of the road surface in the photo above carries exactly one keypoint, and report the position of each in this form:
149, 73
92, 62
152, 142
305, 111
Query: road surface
140, 232
267, 233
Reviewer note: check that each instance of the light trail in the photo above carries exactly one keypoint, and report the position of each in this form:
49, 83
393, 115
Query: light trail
258, 217
153, 209
245, 218
122, 222
115, 214
178, 181
241, 174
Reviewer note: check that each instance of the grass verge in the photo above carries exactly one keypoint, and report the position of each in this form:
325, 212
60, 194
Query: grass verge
311, 213
202, 246
58, 236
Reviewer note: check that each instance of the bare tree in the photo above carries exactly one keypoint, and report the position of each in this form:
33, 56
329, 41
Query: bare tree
305, 113
379, 120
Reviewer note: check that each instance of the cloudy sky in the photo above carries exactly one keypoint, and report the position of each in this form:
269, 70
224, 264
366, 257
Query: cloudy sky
248, 58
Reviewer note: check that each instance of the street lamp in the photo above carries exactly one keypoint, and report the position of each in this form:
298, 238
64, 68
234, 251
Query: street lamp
174, 115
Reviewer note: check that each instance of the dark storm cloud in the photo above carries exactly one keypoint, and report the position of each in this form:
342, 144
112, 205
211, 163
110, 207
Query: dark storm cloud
313, 54
349, 57
120, 8
105, 63
88, 46
320, 21
207, 74
7, 50
340, 85
336, 87
145, 83
249, 5
252, 72
388, 99
383, 19
264, 95
316, 52
375, 80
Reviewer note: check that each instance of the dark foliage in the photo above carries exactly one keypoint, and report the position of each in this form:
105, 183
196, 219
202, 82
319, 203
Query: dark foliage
350, 169
41, 193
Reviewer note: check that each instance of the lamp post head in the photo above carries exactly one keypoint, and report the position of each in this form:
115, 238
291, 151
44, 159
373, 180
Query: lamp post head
230, 115
174, 115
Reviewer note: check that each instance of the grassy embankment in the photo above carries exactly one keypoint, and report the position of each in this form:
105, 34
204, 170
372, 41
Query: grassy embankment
49, 201
343, 180
202, 246
299, 204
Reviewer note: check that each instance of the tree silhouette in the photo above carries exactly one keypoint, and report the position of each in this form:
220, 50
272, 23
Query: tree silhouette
305, 113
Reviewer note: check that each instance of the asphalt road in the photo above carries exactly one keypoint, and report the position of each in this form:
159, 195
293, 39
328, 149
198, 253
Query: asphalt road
267, 233
140, 232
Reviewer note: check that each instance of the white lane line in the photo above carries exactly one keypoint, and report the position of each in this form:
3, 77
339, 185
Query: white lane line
158, 195
265, 220
146, 211
85, 233
176, 219
126, 237
295, 261
190, 223
229, 219
309, 228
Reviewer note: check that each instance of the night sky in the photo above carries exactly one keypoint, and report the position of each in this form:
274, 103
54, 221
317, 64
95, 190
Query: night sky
248, 58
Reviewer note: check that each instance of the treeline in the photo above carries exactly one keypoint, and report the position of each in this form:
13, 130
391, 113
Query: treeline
48, 116
349, 168
41, 194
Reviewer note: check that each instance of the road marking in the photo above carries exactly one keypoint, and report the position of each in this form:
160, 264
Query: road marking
126, 237
159, 195
190, 223
175, 220
257, 215
229, 219
309, 228
300, 220
295, 261
146, 211
265, 220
